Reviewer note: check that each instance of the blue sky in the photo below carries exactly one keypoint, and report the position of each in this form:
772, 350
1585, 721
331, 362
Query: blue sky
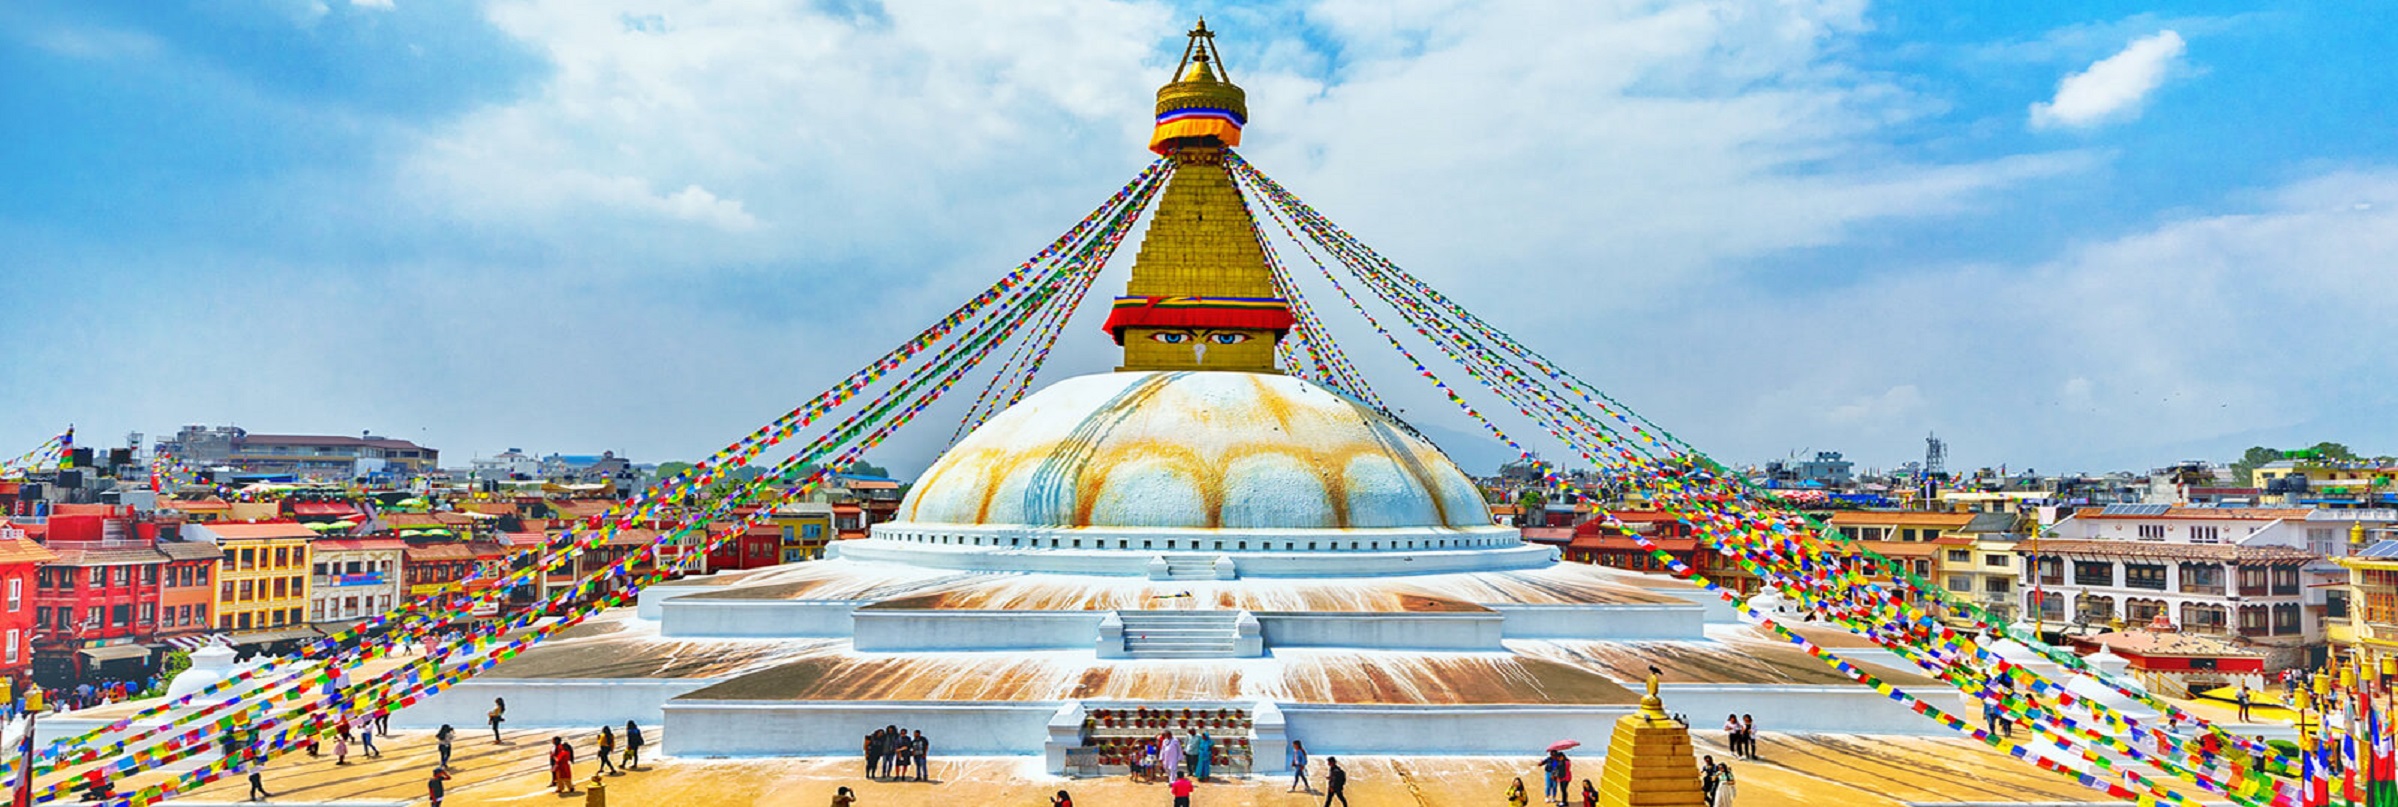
2062, 235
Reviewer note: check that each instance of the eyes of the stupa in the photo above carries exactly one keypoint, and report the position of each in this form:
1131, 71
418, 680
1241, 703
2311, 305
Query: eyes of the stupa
1210, 337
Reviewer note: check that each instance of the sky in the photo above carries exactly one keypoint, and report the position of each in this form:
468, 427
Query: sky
2061, 235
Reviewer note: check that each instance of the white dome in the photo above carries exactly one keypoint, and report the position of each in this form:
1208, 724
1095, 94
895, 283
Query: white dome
1194, 450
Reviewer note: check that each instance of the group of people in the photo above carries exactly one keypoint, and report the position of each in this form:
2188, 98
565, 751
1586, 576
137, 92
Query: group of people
1740, 733
1164, 758
561, 758
891, 751
1557, 780
1336, 779
1715, 782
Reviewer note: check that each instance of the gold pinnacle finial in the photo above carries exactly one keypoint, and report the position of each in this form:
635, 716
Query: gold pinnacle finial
1650, 704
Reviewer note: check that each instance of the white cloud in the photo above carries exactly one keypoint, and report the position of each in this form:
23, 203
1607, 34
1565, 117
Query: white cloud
380, 5
2113, 88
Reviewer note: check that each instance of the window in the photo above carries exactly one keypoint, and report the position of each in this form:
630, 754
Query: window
120, 615
99, 575
2144, 575
249, 560
2253, 580
41, 617
149, 575
2197, 618
248, 589
2095, 608
2049, 604
2286, 619
2142, 611
2285, 580
2205, 534
200, 614
277, 614
16, 594
124, 575
2094, 573
16, 640
2322, 541
1960, 556
2202, 578
242, 620
225, 593
316, 610
1997, 561
1960, 583
2050, 569
1995, 585
2255, 620
149, 612
2152, 532
320, 569
282, 588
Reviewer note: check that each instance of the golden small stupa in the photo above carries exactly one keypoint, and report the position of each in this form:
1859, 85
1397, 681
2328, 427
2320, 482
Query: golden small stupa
1649, 760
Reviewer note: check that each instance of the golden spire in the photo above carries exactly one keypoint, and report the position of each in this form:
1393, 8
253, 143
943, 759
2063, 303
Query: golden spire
1201, 297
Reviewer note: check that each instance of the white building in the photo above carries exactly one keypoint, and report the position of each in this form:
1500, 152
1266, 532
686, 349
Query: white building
2262, 574
356, 578
513, 463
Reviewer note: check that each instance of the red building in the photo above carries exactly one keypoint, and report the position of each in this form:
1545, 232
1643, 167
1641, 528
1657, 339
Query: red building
1596, 542
757, 547
95, 608
20, 560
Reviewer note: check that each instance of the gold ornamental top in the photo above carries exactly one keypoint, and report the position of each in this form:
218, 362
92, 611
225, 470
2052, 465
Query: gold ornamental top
1201, 103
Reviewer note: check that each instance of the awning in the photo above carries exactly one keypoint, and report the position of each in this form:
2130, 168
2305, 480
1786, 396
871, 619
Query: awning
273, 636
189, 642
116, 652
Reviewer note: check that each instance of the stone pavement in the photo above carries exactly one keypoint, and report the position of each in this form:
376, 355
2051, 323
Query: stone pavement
1844, 770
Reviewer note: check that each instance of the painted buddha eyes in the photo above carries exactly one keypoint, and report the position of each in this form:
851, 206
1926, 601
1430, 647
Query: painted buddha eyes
1213, 338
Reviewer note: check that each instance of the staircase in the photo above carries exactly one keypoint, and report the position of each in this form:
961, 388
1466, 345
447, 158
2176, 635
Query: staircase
1187, 567
1181, 634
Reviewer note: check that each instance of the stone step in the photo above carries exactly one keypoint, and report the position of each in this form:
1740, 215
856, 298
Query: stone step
1140, 654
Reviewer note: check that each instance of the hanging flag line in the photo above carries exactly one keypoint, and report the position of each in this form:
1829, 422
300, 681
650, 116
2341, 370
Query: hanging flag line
1478, 357
1112, 215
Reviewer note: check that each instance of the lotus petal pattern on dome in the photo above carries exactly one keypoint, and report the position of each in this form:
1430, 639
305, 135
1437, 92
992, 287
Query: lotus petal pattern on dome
1194, 450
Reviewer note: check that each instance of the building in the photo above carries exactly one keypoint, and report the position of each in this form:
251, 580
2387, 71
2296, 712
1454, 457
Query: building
513, 463
187, 594
1598, 542
263, 581
95, 606
21, 560
2253, 593
354, 578
303, 456
802, 529
1983, 567
437, 569
1826, 470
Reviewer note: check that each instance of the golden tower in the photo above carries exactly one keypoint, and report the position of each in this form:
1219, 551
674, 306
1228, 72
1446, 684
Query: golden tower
1201, 297
1649, 761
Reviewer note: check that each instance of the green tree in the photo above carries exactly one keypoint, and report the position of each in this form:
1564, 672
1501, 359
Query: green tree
864, 468
2255, 457
2333, 451
667, 470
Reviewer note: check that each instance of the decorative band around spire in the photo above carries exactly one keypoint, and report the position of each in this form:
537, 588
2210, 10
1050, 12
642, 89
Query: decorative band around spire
1200, 313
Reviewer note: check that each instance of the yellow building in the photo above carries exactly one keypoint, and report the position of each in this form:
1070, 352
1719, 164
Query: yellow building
2370, 626
805, 527
262, 583
2320, 473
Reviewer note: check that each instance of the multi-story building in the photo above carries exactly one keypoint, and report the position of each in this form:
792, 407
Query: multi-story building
96, 604
1982, 567
802, 528
437, 569
1917, 541
306, 456
20, 562
187, 594
1597, 542
354, 578
2251, 592
263, 581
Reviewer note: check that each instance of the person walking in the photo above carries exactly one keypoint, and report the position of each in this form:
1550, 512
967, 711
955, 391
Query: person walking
366, 736
1297, 757
632, 745
1552, 788
341, 746
1182, 791
1336, 782
2243, 701
1515, 794
1732, 734
437, 785
1724, 791
383, 722
1707, 779
442, 738
499, 714
562, 766
1748, 735
921, 749
257, 779
607, 747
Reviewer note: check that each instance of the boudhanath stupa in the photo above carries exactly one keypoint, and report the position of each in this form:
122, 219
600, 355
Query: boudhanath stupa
1194, 541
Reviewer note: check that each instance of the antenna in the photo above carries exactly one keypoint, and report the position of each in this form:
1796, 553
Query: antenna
1935, 455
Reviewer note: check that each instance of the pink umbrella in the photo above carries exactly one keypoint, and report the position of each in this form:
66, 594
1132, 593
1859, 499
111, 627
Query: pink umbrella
1562, 745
